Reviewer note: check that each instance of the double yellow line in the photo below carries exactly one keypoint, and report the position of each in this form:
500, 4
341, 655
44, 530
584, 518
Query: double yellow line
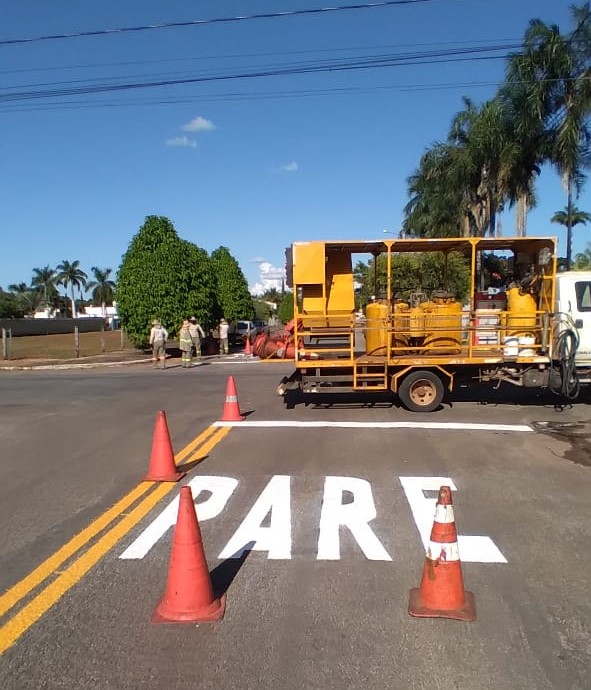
29, 614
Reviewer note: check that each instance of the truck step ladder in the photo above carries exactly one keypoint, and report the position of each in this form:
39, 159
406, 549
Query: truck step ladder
370, 375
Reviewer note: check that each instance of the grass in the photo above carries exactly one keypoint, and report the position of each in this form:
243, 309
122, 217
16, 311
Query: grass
62, 346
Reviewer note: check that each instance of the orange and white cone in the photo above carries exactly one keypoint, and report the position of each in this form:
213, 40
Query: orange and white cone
247, 347
231, 412
441, 593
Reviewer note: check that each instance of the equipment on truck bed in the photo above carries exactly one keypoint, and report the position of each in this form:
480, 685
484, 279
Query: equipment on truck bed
416, 342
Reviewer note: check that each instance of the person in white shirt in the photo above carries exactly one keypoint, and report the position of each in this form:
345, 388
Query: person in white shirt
224, 328
158, 338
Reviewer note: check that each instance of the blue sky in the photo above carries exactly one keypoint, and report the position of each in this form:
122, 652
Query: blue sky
253, 164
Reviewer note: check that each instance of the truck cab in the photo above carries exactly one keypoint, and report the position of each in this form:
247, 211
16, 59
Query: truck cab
573, 298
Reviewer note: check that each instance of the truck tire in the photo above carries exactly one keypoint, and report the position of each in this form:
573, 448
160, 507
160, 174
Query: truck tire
421, 391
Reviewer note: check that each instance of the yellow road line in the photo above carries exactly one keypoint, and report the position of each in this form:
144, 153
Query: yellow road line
42, 602
13, 595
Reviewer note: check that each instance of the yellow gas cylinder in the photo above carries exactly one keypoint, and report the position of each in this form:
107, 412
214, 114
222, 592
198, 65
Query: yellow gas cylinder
401, 324
521, 316
444, 324
376, 328
416, 322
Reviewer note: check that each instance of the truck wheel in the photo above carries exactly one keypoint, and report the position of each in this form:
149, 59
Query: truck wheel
421, 391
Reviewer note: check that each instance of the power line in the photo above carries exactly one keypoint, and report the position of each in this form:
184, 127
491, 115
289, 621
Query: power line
336, 65
238, 96
215, 20
192, 58
333, 62
247, 96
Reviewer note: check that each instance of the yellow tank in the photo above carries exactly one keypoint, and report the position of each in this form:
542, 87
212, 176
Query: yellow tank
401, 324
416, 322
376, 328
443, 324
521, 317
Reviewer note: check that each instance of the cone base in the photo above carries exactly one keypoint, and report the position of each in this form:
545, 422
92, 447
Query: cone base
232, 417
174, 477
417, 608
210, 614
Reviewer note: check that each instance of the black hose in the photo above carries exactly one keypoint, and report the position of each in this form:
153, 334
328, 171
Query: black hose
567, 342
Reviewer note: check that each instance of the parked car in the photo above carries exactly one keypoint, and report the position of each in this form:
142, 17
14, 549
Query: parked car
259, 326
243, 330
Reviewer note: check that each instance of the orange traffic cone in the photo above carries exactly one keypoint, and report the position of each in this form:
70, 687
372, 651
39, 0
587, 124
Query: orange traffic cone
162, 465
231, 412
442, 594
188, 596
247, 348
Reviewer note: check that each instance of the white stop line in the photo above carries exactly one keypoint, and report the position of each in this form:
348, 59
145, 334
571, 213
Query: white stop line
347, 502
451, 426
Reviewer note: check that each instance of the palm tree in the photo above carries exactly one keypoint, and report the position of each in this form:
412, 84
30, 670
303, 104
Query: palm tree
103, 289
19, 288
572, 217
557, 72
70, 274
484, 137
527, 147
439, 204
44, 281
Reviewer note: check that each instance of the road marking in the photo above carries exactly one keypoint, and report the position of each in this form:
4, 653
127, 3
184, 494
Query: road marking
473, 549
355, 515
268, 524
454, 426
43, 571
50, 595
276, 538
13, 595
220, 490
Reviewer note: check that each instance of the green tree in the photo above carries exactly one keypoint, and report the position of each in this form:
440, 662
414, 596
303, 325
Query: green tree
103, 288
285, 307
25, 296
262, 310
462, 183
556, 70
163, 276
45, 281
70, 275
583, 259
528, 146
232, 287
10, 306
272, 295
438, 198
414, 272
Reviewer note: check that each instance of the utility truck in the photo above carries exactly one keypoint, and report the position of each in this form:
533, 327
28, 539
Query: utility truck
530, 327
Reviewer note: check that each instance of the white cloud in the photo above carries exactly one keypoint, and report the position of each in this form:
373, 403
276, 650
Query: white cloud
269, 277
198, 124
185, 142
289, 167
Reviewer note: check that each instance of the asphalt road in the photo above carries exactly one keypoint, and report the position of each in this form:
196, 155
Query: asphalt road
312, 604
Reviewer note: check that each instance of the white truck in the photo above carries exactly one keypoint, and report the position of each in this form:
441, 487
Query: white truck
573, 298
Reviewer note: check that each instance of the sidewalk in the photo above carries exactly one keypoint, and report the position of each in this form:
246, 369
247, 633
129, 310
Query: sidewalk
110, 359
114, 359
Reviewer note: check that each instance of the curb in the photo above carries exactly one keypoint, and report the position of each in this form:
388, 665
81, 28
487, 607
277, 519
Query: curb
232, 359
82, 365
